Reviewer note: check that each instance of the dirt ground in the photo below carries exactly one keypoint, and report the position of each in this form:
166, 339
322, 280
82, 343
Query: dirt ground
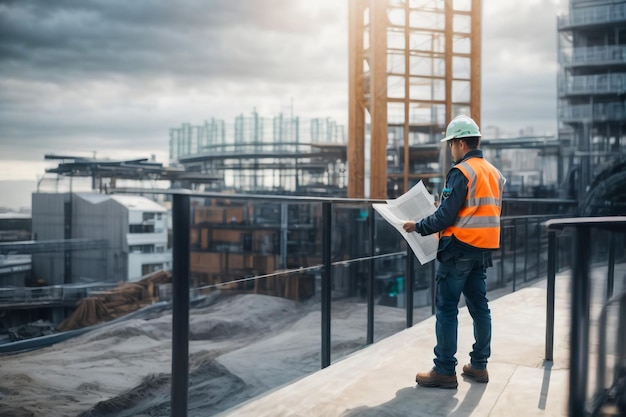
240, 346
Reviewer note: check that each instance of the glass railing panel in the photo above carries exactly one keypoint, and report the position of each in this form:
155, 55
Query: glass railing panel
593, 15
594, 84
256, 239
599, 111
594, 55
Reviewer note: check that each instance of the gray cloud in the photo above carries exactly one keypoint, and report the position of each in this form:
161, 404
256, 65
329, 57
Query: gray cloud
116, 75
523, 39
520, 103
65, 40
520, 66
112, 74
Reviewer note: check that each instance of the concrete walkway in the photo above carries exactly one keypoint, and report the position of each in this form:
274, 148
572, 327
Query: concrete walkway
379, 381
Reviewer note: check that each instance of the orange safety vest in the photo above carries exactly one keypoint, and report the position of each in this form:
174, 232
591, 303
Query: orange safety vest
478, 222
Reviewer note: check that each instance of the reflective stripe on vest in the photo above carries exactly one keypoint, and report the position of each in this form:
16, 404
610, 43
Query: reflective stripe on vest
478, 221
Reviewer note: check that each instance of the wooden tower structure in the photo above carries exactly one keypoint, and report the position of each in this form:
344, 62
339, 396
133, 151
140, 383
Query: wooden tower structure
413, 66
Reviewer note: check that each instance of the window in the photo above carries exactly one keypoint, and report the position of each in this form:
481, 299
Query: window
149, 268
141, 249
148, 216
141, 228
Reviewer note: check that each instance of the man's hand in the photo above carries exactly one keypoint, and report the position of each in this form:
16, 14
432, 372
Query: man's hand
409, 226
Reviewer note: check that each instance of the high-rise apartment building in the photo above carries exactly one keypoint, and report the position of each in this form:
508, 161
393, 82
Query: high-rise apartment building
592, 88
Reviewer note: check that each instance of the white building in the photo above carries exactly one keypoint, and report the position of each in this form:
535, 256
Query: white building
134, 228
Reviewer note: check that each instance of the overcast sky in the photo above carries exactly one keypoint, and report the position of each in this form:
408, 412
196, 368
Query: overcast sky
113, 76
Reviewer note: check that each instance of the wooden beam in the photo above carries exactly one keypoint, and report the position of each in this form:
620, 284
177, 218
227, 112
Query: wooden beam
475, 65
407, 93
445, 157
356, 101
378, 98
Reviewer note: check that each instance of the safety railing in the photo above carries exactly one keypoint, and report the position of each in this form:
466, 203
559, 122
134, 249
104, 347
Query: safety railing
181, 224
578, 401
521, 215
48, 295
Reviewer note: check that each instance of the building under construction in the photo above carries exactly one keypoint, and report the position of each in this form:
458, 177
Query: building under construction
279, 155
413, 66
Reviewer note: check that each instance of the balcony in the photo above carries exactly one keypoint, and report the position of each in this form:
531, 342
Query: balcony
593, 55
599, 112
599, 84
590, 16
377, 380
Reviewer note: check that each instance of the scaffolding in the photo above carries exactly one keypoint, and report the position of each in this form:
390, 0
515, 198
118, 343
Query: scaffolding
413, 65
188, 139
280, 155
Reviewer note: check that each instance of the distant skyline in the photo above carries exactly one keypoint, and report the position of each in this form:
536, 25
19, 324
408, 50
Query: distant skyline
113, 76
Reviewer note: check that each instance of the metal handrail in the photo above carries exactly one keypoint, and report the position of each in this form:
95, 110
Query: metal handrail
580, 299
53, 294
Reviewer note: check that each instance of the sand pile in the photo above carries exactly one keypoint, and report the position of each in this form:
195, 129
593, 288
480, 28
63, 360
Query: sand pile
240, 346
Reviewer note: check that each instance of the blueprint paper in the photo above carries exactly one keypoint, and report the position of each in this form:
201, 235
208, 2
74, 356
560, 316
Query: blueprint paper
415, 204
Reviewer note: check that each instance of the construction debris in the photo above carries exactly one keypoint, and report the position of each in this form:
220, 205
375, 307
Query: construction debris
30, 330
103, 306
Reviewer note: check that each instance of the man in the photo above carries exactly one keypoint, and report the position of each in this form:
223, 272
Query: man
468, 219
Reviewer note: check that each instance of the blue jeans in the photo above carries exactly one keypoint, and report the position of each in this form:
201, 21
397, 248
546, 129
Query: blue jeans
465, 276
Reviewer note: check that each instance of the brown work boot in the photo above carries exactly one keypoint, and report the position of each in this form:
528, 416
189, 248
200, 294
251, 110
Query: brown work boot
478, 375
433, 379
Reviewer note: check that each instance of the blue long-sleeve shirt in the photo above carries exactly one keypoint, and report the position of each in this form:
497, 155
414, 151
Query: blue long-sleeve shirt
452, 200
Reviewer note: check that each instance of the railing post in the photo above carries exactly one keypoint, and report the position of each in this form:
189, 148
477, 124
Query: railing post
180, 304
538, 246
611, 268
326, 281
621, 339
601, 365
514, 240
371, 277
284, 234
502, 252
409, 285
579, 338
433, 286
550, 295
525, 248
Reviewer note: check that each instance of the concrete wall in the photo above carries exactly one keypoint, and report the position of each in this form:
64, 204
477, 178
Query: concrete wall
100, 221
48, 224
